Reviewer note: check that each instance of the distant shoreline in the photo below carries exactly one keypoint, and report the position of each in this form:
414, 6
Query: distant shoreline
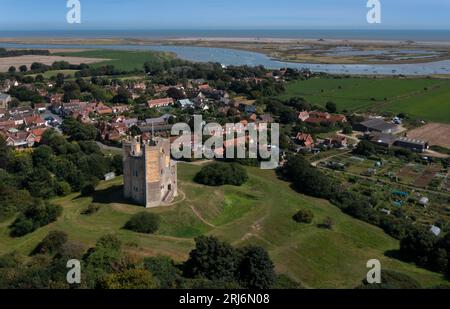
138, 41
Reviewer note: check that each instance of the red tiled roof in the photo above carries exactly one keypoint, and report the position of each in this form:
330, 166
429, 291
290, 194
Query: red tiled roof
160, 102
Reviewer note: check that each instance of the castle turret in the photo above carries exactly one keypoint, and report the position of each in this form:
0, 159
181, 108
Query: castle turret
150, 176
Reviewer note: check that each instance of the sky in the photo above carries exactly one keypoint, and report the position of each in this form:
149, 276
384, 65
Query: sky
220, 14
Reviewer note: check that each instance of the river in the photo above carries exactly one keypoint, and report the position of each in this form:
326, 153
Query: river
239, 57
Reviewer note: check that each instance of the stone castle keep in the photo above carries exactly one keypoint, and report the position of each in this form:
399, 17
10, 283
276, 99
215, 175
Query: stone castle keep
150, 176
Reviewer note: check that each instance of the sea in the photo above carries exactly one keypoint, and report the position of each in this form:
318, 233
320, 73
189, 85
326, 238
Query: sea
396, 35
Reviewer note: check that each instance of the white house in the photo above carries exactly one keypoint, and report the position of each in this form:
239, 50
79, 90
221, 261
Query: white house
4, 100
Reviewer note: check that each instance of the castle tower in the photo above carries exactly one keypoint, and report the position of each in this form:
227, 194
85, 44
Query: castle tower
150, 176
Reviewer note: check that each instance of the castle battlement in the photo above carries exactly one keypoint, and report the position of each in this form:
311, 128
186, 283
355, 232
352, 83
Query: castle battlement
150, 176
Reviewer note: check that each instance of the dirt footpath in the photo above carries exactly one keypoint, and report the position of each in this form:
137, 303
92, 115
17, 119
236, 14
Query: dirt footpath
27, 60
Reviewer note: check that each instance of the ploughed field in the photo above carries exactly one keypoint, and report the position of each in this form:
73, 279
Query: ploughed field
260, 213
6, 63
422, 98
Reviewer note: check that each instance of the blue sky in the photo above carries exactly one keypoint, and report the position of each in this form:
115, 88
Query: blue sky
221, 14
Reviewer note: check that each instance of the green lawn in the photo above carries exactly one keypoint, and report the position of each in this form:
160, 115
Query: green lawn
122, 60
379, 94
52, 73
260, 212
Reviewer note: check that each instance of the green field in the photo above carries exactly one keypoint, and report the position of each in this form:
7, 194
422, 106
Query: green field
52, 73
422, 98
257, 213
122, 60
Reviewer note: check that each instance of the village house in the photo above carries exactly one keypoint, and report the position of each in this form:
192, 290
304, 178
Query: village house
336, 141
4, 100
7, 123
248, 109
185, 103
304, 140
40, 107
119, 109
21, 111
19, 139
102, 109
38, 133
34, 121
265, 118
160, 102
6, 85
129, 122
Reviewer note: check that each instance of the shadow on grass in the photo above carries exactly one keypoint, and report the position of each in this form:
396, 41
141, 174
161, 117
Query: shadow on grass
393, 254
109, 195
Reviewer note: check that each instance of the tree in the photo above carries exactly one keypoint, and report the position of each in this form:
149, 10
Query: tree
331, 107
212, 259
78, 131
365, 148
88, 189
23, 68
256, 270
130, 279
42, 156
12, 70
164, 269
5, 153
143, 222
135, 131
175, 93
71, 91
52, 243
347, 130
304, 216
219, 174
122, 96
418, 246
63, 188
38, 214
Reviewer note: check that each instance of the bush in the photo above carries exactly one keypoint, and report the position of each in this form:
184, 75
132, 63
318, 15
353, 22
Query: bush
91, 209
392, 280
63, 189
143, 222
327, 223
304, 216
218, 174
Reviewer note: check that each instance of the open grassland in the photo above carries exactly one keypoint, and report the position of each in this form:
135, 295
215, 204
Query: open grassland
121, 59
260, 213
422, 98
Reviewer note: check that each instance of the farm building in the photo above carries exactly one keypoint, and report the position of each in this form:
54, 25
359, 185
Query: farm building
376, 125
382, 139
389, 140
411, 144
